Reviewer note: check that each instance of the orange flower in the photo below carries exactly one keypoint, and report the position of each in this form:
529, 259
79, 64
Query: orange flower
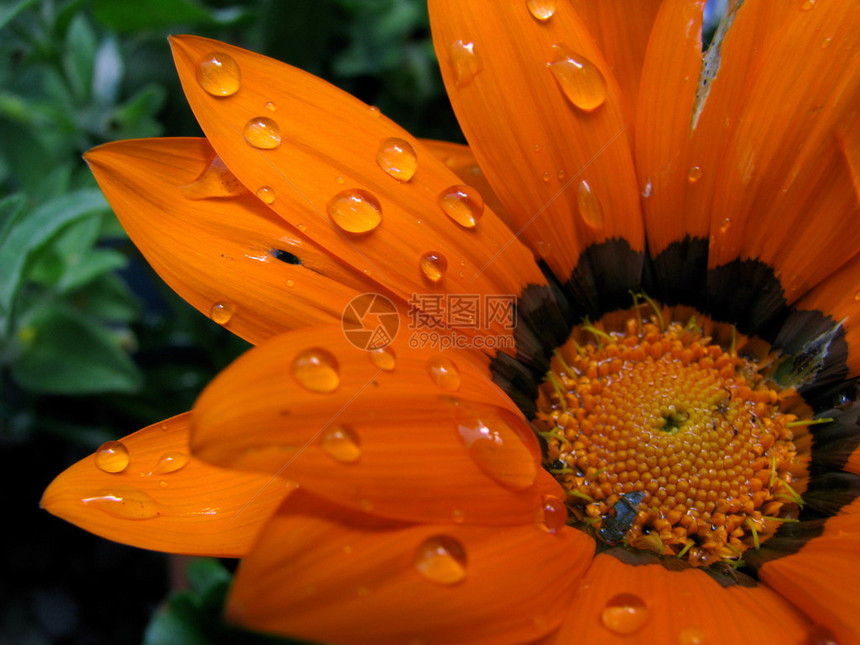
662, 449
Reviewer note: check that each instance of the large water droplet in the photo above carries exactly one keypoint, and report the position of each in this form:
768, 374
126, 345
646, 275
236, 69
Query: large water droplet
126, 504
355, 211
551, 513
170, 462
624, 614
341, 444
694, 174
262, 132
590, 209
383, 358
691, 636
218, 74
215, 181
266, 194
463, 204
580, 80
433, 265
397, 157
444, 373
112, 457
496, 447
441, 559
541, 9
465, 61
317, 370
221, 312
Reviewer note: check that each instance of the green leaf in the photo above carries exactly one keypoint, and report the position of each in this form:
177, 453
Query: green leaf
109, 299
149, 14
79, 56
206, 575
7, 14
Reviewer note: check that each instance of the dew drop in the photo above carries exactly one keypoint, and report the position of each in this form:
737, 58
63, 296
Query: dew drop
383, 358
262, 132
551, 513
291, 283
441, 559
544, 248
215, 182
541, 9
647, 189
624, 614
463, 204
560, 174
433, 265
270, 106
341, 444
316, 370
266, 194
826, 43
590, 209
694, 174
546, 176
355, 211
374, 111
126, 504
691, 636
725, 224
496, 447
857, 296
465, 62
112, 457
444, 373
807, 5
458, 516
397, 157
218, 74
581, 81
221, 312
170, 462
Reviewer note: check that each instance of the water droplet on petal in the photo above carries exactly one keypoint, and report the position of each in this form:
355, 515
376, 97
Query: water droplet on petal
221, 312
341, 444
544, 249
215, 181
397, 157
725, 224
441, 559
125, 504
647, 188
590, 209
545, 176
262, 132
826, 43
624, 614
355, 211
458, 516
316, 370
541, 9
581, 81
551, 513
270, 106
465, 62
444, 373
807, 5
694, 174
496, 447
112, 457
383, 358
170, 462
218, 74
266, 194
857, 296
433, 265
374, 111
463, 204
691, 636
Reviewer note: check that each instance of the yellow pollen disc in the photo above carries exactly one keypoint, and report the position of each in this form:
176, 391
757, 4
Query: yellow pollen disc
667, 442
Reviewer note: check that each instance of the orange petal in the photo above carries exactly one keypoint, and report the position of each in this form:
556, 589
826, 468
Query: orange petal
164, 499
323, 168
821, 578
320, 574
648, 603
564, 173
217, 245
424, 435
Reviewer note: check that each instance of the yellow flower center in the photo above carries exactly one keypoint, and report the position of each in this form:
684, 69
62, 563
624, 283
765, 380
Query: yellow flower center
668, 442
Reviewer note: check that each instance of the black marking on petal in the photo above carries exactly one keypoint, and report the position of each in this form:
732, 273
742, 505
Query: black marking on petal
604, 276
518, 382
676, 275
834, 442
724, 574
829, 492
285, 256
789, 538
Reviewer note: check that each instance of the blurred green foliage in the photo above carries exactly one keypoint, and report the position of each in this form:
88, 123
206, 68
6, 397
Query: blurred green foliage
92, 344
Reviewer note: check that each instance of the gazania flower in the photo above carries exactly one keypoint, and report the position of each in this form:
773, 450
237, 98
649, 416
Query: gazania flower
657, 444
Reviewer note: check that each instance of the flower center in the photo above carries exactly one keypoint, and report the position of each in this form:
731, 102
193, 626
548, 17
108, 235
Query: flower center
668, 442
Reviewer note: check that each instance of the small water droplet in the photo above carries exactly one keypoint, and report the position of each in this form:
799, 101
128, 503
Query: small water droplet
463, 204
537, 147
266, 194
221, 312
691, 636
544, 248
545, 176
807, 5
262, 132
551, 513
441, 559
694, 174
170, 462
624, 614
397, 157
590, 209
826, 43
725, 224
541, 9
560, 174
458, 516
383, 358
465, 61
112, 457
291, 283
496, 447
162, 483
215, 181
340, 180
126, 504
316, 370
580, 80
341, 444
444, 373
374, 111
857, 295
270, 106
218, 74
433, 265
355, 211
